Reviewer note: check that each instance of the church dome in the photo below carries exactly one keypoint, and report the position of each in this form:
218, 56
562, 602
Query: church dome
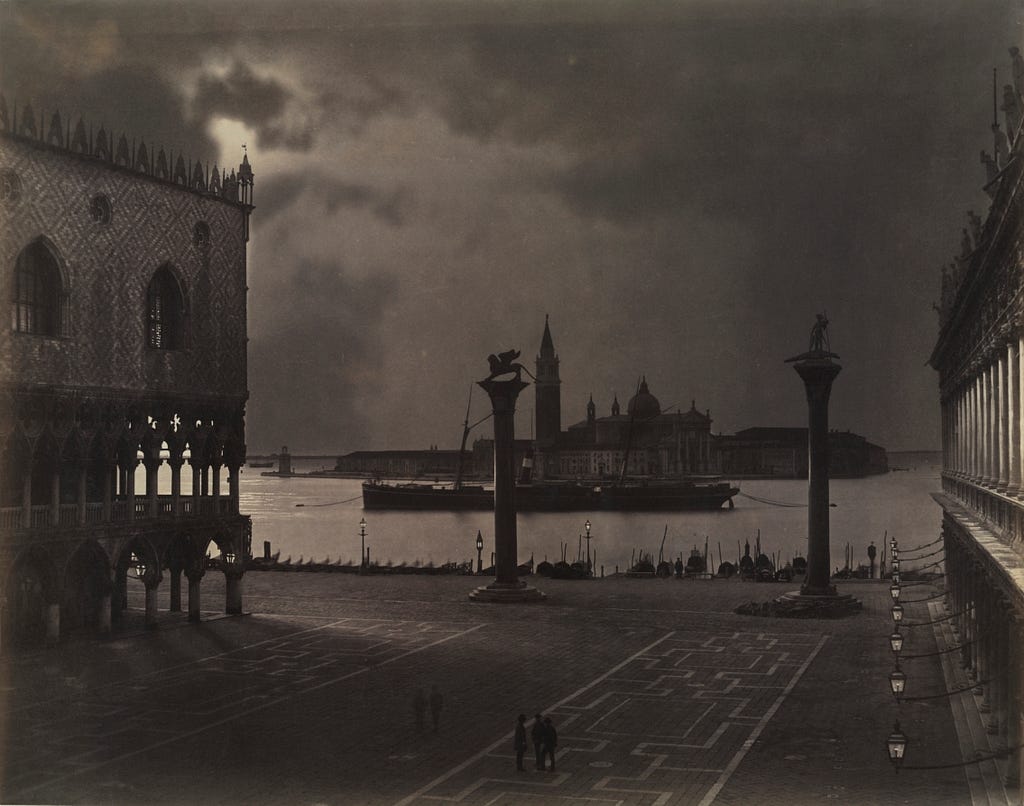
643, 404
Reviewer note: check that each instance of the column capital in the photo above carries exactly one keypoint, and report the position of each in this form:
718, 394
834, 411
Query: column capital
153, 579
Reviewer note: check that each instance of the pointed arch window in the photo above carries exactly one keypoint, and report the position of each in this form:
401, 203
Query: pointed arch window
165, 312
36, 307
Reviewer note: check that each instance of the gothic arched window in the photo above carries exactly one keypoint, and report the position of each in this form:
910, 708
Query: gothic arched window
36, 306
165, 312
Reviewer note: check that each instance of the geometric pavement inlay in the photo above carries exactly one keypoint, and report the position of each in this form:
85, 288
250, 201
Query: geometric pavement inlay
670, 724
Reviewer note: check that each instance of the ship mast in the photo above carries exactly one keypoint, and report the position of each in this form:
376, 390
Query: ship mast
465, 436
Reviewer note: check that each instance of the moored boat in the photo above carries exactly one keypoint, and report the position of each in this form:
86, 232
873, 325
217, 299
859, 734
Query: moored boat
557, 496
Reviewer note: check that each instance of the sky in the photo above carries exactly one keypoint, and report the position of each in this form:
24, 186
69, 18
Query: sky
679, 186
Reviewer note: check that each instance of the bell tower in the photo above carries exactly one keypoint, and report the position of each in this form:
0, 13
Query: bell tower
548, 406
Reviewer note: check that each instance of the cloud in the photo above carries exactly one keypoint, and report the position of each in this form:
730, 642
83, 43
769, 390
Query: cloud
316, 365
284, 192
263, 104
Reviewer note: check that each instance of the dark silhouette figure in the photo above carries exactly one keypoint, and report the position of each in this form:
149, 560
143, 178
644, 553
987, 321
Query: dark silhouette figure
550, 743
436, 701
419, 708
504, 363
871, 558
819, 334
520, 741
537, 736
679, 568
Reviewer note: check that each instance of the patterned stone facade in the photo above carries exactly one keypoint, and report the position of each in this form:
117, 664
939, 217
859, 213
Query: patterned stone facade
126, 347
107, 268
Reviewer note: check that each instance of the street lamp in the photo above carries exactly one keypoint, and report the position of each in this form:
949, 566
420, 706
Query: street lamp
229, 557
479, 552
896, 565
896, 744
362, 543
587, 527
897, 682
896, 642
897, 613
896, 577
140, 566
894, 591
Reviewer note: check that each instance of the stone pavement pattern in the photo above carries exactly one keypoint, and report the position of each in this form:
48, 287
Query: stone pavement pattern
661, 696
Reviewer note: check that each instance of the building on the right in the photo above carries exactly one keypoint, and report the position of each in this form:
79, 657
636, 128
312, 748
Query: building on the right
979, 356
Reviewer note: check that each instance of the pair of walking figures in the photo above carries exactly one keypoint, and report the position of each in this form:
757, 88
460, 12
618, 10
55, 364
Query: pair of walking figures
544, 737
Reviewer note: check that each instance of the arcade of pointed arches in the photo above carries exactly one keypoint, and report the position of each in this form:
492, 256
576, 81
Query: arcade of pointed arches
81, 526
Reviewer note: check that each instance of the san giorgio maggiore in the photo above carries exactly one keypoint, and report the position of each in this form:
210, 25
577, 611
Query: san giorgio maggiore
651, 441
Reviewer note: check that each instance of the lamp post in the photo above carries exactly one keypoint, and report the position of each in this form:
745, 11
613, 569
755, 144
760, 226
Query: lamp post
362, 543
896, 642
894, 591
897, 613
896, 744
587, 527
479, 552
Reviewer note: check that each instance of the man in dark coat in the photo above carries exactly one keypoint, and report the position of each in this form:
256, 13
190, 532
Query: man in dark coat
520, 741
550, 743
537, 735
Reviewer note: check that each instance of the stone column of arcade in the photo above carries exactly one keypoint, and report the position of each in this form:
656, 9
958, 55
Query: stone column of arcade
152, 582
817, 370
503, 386
194, 573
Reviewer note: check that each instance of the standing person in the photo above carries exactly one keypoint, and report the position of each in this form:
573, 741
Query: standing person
520, 741
436, 701
419, 708
537, 735
550, 743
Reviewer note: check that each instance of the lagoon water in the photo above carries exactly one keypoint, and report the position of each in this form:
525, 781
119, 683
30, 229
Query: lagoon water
327, 523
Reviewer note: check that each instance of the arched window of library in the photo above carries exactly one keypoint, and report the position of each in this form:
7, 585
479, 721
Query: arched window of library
37, 291
165, 314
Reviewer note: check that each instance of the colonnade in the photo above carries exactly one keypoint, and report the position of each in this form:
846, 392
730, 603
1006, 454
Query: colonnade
981, 423
990, 624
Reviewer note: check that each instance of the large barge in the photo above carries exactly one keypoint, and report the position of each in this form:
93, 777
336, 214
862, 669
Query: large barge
556, 496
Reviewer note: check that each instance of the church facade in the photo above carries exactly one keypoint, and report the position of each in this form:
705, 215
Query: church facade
649, 441
122, 376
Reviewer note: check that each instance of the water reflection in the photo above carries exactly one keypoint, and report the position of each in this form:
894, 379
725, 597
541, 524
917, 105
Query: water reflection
326, 525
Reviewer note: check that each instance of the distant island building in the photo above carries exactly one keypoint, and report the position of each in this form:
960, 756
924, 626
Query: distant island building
650, 440
673, 444
402, 464
782, 453
647, 439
